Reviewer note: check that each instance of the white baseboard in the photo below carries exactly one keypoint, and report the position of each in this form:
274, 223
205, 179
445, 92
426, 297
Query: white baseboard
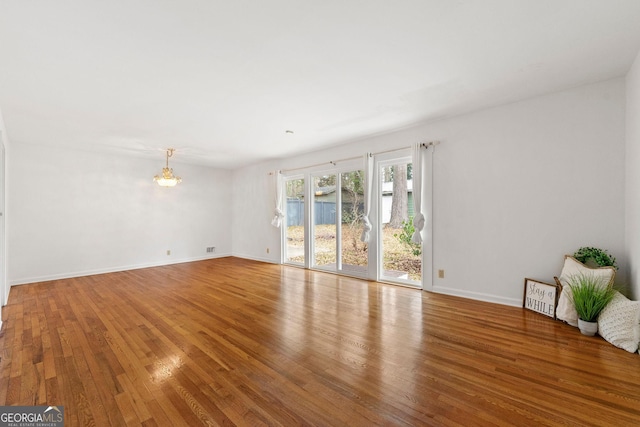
479, 296
253, 258
47, 278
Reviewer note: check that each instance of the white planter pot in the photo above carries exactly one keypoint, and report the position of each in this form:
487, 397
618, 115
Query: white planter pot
588, 328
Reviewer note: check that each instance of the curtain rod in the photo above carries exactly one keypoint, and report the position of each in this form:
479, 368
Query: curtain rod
424, 144
334, 162
330, 162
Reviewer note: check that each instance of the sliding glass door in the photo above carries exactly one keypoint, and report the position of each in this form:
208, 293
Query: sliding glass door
338, 206
324, 211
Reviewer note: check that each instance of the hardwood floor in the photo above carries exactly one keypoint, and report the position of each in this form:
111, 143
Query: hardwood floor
236, 342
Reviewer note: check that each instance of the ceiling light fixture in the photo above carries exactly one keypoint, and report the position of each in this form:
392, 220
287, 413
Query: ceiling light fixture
167, 179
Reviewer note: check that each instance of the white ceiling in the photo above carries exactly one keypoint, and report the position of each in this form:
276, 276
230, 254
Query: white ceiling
223, 80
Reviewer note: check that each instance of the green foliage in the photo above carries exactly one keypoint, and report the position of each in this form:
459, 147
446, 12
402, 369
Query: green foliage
325, 181
590, 295
406, 232
599, 256
350, 217
352, 184
353, 181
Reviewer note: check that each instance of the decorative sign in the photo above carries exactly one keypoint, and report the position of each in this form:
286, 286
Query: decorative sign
540, 297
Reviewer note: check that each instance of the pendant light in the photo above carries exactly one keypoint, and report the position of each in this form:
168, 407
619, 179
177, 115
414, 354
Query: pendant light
167, 179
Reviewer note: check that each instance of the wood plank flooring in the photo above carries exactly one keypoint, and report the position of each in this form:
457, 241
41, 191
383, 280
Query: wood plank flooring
235, 342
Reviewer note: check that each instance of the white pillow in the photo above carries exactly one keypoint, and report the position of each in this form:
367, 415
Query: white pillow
619, 323
572, 267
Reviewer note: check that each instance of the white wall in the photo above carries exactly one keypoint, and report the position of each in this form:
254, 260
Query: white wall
253, 209
76, 213
516, 188
4, 281
632, 198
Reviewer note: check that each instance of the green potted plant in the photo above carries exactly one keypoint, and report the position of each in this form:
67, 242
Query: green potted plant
590, 295
599, 257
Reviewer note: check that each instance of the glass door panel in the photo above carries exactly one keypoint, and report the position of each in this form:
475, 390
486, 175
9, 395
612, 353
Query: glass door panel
294, 231
353, 252
324, 222
401, 259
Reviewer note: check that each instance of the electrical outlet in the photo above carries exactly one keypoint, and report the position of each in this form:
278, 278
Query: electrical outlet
267, 250
211, 249
441, 274
168, 252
